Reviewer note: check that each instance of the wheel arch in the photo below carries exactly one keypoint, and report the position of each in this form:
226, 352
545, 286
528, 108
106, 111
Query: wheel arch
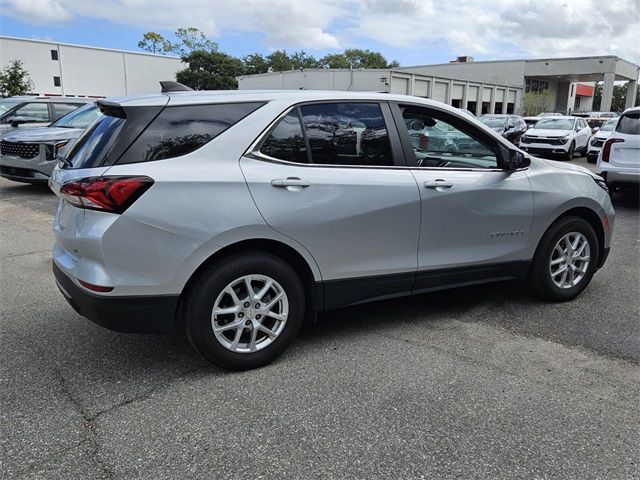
312, 288
594, 220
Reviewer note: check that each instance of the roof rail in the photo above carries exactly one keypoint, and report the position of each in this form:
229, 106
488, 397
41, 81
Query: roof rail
170, 86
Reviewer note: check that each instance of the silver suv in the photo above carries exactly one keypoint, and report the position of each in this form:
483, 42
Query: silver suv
31, 112
235, 215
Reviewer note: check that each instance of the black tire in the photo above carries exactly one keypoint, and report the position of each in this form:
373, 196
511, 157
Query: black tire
204, 290
571, 152
539, 274
591, 160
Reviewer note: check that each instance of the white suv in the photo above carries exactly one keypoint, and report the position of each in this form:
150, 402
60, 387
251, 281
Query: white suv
619, 159
557, 135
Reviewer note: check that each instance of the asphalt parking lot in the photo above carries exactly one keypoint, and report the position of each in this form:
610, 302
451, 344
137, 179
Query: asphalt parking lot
484, 382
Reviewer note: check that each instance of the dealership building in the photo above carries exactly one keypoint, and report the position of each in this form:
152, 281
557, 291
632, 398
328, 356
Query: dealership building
482, 87
77, 70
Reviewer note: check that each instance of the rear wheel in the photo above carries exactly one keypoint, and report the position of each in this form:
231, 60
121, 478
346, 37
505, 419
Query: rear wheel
565, 260
244, 310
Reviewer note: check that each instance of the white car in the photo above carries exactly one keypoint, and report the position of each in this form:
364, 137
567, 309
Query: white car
619, 159
557, 135
597, 140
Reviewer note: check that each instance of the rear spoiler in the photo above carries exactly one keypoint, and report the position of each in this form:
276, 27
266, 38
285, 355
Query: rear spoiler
111, 108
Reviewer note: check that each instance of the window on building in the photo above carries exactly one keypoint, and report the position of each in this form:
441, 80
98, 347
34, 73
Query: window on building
347, 133
54, 54
56, 81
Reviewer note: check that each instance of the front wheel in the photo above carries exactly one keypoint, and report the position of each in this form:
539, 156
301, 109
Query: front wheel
565, 260
571, 152
244, 310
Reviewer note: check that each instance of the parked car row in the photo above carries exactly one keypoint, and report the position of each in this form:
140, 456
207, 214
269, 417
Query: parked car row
30, 155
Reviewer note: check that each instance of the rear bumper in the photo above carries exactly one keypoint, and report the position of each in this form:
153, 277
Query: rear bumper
134, 314
613, 177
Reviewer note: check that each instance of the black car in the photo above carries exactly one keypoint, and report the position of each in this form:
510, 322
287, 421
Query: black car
510, 127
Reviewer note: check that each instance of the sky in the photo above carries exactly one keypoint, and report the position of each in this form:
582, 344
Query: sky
413, 32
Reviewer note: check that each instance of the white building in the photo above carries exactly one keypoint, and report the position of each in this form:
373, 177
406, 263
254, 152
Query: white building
77, 70
482, 87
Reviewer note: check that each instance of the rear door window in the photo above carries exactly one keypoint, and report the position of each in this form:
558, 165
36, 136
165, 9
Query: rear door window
286, 141
61, 109
348, 133
629, 124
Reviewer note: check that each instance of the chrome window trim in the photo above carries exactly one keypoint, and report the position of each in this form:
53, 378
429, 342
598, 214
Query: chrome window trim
254, 148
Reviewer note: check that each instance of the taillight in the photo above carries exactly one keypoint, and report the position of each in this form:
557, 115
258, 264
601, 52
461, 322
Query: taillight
95, 288
606, 150
107, 194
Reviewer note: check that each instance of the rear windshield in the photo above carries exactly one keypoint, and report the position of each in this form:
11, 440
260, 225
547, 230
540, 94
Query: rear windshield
629, 124
143, 134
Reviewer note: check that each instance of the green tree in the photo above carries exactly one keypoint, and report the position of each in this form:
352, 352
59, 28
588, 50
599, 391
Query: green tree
15, 80
302, 59
357, 58
155, 43
618, 100
211, 71
191, 39
279, 61
255, 63
534, 103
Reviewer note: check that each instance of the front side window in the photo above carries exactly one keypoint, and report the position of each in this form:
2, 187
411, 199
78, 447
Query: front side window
61, 109
33, 112
437, 142
347, 133
629, 123
286, 141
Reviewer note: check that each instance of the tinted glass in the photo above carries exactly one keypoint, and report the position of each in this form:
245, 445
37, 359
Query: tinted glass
182, 129
629, 124
347, 134
438, 143
61, 109
286, 141
79, 118
92, 147
33, 112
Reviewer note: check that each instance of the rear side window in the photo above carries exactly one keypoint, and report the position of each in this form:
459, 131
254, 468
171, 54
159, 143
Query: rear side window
286, 141
347, 133
182, 129
142, 134
61, 109
629, 124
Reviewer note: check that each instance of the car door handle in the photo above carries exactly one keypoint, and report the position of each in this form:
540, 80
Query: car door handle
295, 182
438, 183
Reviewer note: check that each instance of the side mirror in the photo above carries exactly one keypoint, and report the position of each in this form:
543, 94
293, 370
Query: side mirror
516, 160
595, 129
16, 121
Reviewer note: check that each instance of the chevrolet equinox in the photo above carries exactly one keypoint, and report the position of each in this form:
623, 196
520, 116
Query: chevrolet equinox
236, 215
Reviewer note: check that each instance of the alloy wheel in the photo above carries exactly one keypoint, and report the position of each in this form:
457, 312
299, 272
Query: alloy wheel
250, 313
569, 260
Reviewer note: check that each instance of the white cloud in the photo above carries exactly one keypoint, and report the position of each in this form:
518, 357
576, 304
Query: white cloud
489, 28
